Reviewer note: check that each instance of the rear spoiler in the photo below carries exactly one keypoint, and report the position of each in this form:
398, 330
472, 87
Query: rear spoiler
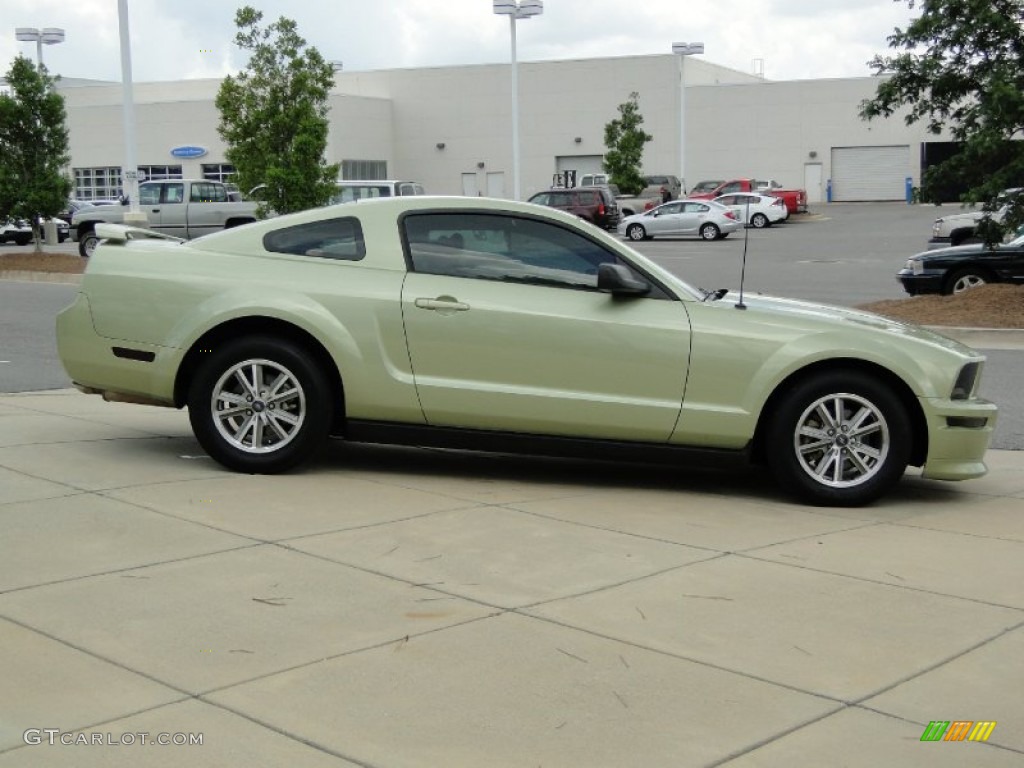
120, 233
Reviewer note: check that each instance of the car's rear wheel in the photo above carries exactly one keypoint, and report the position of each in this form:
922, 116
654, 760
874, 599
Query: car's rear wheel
260, 405
839, 439
87, 244
636, 232
709, 232
759, 221
964, 279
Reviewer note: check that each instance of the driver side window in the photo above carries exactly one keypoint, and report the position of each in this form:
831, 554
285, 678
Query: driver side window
504, 248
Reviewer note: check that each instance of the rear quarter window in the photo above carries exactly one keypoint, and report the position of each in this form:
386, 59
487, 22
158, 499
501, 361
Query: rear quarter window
340, 239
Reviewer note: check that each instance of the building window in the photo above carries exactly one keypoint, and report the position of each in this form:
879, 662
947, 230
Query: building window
160, 172
364, 169
221, 172
105, 183
97, 183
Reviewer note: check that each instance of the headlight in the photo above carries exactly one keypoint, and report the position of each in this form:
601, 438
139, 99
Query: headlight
963, 387
936, 227
917, 266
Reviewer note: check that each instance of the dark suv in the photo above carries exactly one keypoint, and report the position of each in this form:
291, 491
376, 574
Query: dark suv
594, 204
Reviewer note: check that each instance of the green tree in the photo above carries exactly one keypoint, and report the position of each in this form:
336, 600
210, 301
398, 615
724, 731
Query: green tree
624, 141
959, 66
273, 116
33, 146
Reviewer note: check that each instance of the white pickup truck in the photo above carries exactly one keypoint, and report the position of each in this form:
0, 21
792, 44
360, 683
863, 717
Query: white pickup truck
179, 207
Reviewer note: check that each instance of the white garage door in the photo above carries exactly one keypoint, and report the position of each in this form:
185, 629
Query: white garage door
869, 173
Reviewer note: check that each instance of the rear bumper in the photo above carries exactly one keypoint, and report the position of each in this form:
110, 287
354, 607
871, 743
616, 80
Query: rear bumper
113, 367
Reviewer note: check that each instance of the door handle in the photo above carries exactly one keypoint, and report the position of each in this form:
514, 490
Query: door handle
442, 304
156, 210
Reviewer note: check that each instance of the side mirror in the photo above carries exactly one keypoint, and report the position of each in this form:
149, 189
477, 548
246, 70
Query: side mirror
618, 281
123, 199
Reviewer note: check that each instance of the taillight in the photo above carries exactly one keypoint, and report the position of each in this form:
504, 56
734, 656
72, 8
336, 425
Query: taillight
600, 209
649, 205
730, 215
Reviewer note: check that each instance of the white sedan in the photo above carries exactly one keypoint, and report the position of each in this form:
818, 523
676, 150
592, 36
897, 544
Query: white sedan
754, 209
705, 219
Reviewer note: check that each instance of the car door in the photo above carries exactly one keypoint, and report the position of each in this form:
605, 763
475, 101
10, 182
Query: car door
666, 219
507, 331
693, 214
206, 206
169, 216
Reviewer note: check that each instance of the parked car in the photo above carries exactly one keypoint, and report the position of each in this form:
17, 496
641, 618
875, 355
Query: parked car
349, 189
669, 187
73, 207
703, 187
594, 204
705, 219
19, 231
178, 207
755, 210
795, 199
627, 204
952, 270
962, 228
485, 324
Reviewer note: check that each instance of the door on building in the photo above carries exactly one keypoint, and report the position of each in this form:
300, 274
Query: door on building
812, 182
470, 188
496, 184
581, 164
869, 173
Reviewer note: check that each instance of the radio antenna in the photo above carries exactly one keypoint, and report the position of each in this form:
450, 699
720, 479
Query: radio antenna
743, 269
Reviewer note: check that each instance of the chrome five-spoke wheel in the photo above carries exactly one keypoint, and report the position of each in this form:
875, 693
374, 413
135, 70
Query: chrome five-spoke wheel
838, 437
258, 405
842, 440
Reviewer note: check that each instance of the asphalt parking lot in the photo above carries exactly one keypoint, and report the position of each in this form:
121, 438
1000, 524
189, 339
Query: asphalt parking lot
398, 607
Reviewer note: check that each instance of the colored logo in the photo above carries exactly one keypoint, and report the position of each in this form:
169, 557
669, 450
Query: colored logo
958, 730
188, 151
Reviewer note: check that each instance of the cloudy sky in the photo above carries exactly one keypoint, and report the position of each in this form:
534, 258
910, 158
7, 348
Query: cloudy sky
180, 39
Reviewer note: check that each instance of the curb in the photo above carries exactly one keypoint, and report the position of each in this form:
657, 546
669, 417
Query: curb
983, 338
27, 276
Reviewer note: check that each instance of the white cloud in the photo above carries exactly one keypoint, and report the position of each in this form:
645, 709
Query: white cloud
194, 38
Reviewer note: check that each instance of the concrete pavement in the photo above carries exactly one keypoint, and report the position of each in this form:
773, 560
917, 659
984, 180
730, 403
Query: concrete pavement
397, 607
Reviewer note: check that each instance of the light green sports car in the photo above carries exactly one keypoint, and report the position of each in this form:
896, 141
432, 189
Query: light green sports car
493, 325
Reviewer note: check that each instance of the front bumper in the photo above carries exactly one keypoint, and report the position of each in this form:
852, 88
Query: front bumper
959, 433
926, 282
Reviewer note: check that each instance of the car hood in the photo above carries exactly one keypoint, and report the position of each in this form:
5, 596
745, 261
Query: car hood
945, 253
811, 316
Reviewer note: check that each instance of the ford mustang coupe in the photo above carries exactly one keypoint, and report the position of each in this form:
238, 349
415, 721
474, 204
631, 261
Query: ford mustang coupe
494, 325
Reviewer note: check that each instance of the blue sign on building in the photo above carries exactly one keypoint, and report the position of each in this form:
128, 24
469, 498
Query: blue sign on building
188, 151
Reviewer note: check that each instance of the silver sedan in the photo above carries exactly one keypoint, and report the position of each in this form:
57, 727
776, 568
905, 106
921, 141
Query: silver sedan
681, 218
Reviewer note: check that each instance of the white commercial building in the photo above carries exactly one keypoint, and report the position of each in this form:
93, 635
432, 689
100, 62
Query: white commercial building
450, 128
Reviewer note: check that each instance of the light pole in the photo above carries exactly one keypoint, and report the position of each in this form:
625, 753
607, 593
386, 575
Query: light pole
682, 50
515, 10
41, 37
130, 171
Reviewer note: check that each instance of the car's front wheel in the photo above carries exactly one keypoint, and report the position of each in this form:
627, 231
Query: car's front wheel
260, 405
636, 232
709, 232
87, 244
961, 281
838, 439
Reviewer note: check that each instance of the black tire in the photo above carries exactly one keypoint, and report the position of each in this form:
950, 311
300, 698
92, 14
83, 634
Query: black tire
759, 221
87, 244
62, 236
22, 239
963, 279
232, 434
709, 232
840, 466
636, 232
